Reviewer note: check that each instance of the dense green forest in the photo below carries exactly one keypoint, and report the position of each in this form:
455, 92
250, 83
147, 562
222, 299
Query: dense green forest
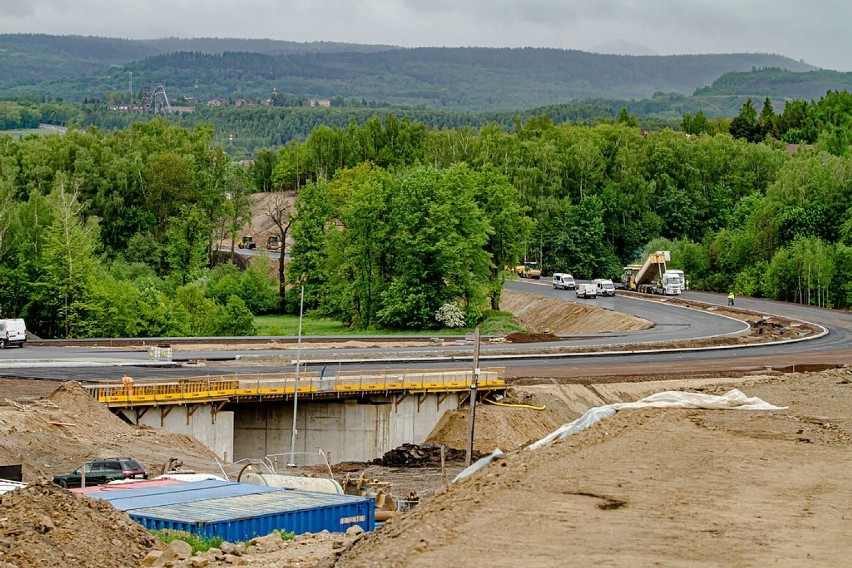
242, 131
399, 224
57, 68
778, 84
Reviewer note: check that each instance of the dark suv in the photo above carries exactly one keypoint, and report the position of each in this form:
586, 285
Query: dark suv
102, 471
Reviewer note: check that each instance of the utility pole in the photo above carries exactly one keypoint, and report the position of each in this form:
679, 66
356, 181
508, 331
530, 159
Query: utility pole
473, 386
296, 390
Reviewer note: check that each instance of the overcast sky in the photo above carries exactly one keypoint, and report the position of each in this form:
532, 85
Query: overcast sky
816, 31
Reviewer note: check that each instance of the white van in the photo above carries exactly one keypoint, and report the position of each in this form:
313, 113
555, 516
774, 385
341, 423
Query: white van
604, 287
586, 291
562, 281
12, 332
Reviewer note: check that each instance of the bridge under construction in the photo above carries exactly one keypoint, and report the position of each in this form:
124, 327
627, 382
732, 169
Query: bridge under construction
356, 416
272, 386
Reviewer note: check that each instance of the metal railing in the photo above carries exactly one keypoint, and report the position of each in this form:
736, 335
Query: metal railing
283, 385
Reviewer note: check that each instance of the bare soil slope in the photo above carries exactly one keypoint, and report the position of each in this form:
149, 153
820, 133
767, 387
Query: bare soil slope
564, 317
68, 427
261, 225
42, 525
501, 427
654, 487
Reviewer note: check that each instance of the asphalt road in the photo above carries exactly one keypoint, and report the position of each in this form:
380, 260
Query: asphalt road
258, 252
671, 323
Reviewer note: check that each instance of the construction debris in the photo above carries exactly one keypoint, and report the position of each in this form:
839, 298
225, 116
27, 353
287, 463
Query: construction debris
415, 455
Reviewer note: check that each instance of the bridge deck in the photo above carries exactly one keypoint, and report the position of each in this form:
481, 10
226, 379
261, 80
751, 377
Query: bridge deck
268, 386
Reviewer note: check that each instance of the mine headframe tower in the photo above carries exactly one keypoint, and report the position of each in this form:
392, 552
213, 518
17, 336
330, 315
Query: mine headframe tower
157, 102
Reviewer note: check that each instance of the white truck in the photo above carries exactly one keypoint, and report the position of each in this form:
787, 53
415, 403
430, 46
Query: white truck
652, 277
12, 332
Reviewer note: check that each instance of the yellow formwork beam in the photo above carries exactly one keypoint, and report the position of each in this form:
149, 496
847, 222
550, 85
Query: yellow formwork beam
194, 390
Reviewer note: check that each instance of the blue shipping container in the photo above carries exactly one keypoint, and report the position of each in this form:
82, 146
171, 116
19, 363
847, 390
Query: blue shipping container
239, 512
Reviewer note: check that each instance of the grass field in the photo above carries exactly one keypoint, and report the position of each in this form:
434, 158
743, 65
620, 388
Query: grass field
288, 325
19, 133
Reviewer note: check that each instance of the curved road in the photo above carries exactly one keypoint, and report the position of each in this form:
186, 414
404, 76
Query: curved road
671, 323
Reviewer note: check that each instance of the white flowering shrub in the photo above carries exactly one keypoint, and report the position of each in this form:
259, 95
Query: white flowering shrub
450, 315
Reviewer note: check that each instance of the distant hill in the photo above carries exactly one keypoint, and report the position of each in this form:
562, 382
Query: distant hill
35, 57
472, 79
778, 84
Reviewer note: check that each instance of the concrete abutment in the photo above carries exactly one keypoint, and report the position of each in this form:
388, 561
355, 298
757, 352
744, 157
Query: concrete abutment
349, 429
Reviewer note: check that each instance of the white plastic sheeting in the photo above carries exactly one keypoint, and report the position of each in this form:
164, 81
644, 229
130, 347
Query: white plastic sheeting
190, 477
731, 400
7, 485
479, 464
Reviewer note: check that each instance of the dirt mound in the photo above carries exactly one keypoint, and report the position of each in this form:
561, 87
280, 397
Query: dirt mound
501, 427
43, 525
68, 427
728, 487
564, 317
530, 337
261, 226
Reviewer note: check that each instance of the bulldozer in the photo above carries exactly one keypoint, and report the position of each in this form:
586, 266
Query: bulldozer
247, 242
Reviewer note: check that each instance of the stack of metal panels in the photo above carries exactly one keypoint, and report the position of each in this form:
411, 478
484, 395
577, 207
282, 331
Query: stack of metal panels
238, 511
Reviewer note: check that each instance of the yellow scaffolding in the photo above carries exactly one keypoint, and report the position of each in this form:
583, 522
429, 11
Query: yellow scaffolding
265, 386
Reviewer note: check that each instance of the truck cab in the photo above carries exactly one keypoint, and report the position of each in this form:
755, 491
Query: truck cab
672, 282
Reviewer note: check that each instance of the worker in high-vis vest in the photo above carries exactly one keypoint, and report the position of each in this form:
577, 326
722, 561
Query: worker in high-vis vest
128, 384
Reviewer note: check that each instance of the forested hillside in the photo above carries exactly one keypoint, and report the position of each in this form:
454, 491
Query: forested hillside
404, 226
31, 58
778, 83
466, 79
457, 78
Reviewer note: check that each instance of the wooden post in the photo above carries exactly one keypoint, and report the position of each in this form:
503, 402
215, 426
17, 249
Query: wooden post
443, 469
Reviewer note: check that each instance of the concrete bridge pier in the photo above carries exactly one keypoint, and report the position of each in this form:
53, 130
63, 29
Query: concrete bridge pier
206, 422
353, 429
